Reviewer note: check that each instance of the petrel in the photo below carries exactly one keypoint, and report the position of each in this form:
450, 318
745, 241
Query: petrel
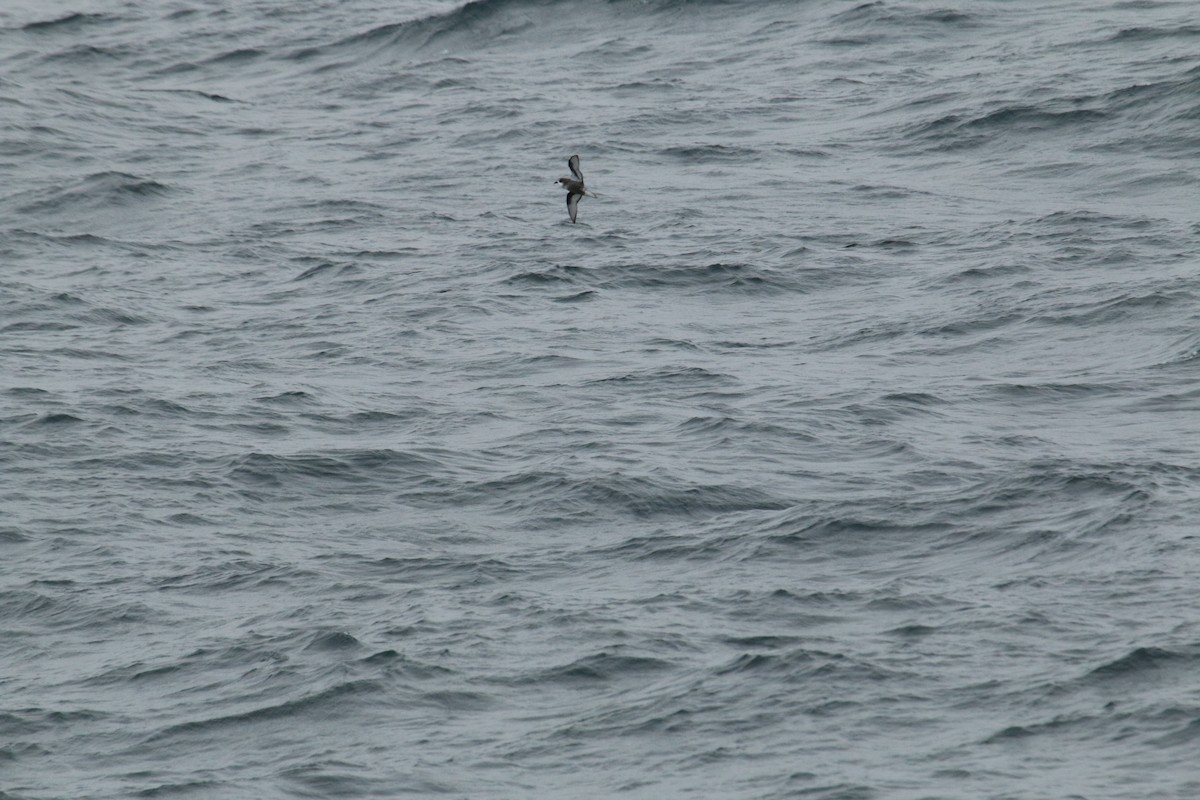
574, 186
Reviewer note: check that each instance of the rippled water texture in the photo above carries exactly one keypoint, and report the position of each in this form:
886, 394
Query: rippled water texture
845, 449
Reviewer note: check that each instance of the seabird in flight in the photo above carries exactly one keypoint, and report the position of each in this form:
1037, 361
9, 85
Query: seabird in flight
574, 186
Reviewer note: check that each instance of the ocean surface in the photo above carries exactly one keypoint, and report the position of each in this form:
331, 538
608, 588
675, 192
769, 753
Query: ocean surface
846, 448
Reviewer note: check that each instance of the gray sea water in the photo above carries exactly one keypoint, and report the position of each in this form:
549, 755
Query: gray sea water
846, 448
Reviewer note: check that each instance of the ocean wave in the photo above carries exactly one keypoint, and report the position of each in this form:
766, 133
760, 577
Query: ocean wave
1145, 663
338, 698
95, 191
603, 666
70, 23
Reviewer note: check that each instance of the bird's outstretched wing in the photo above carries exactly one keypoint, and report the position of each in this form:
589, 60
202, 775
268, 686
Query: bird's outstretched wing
573, 204
573, 163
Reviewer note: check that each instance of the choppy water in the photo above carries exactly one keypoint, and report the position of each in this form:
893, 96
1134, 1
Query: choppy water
847, 447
